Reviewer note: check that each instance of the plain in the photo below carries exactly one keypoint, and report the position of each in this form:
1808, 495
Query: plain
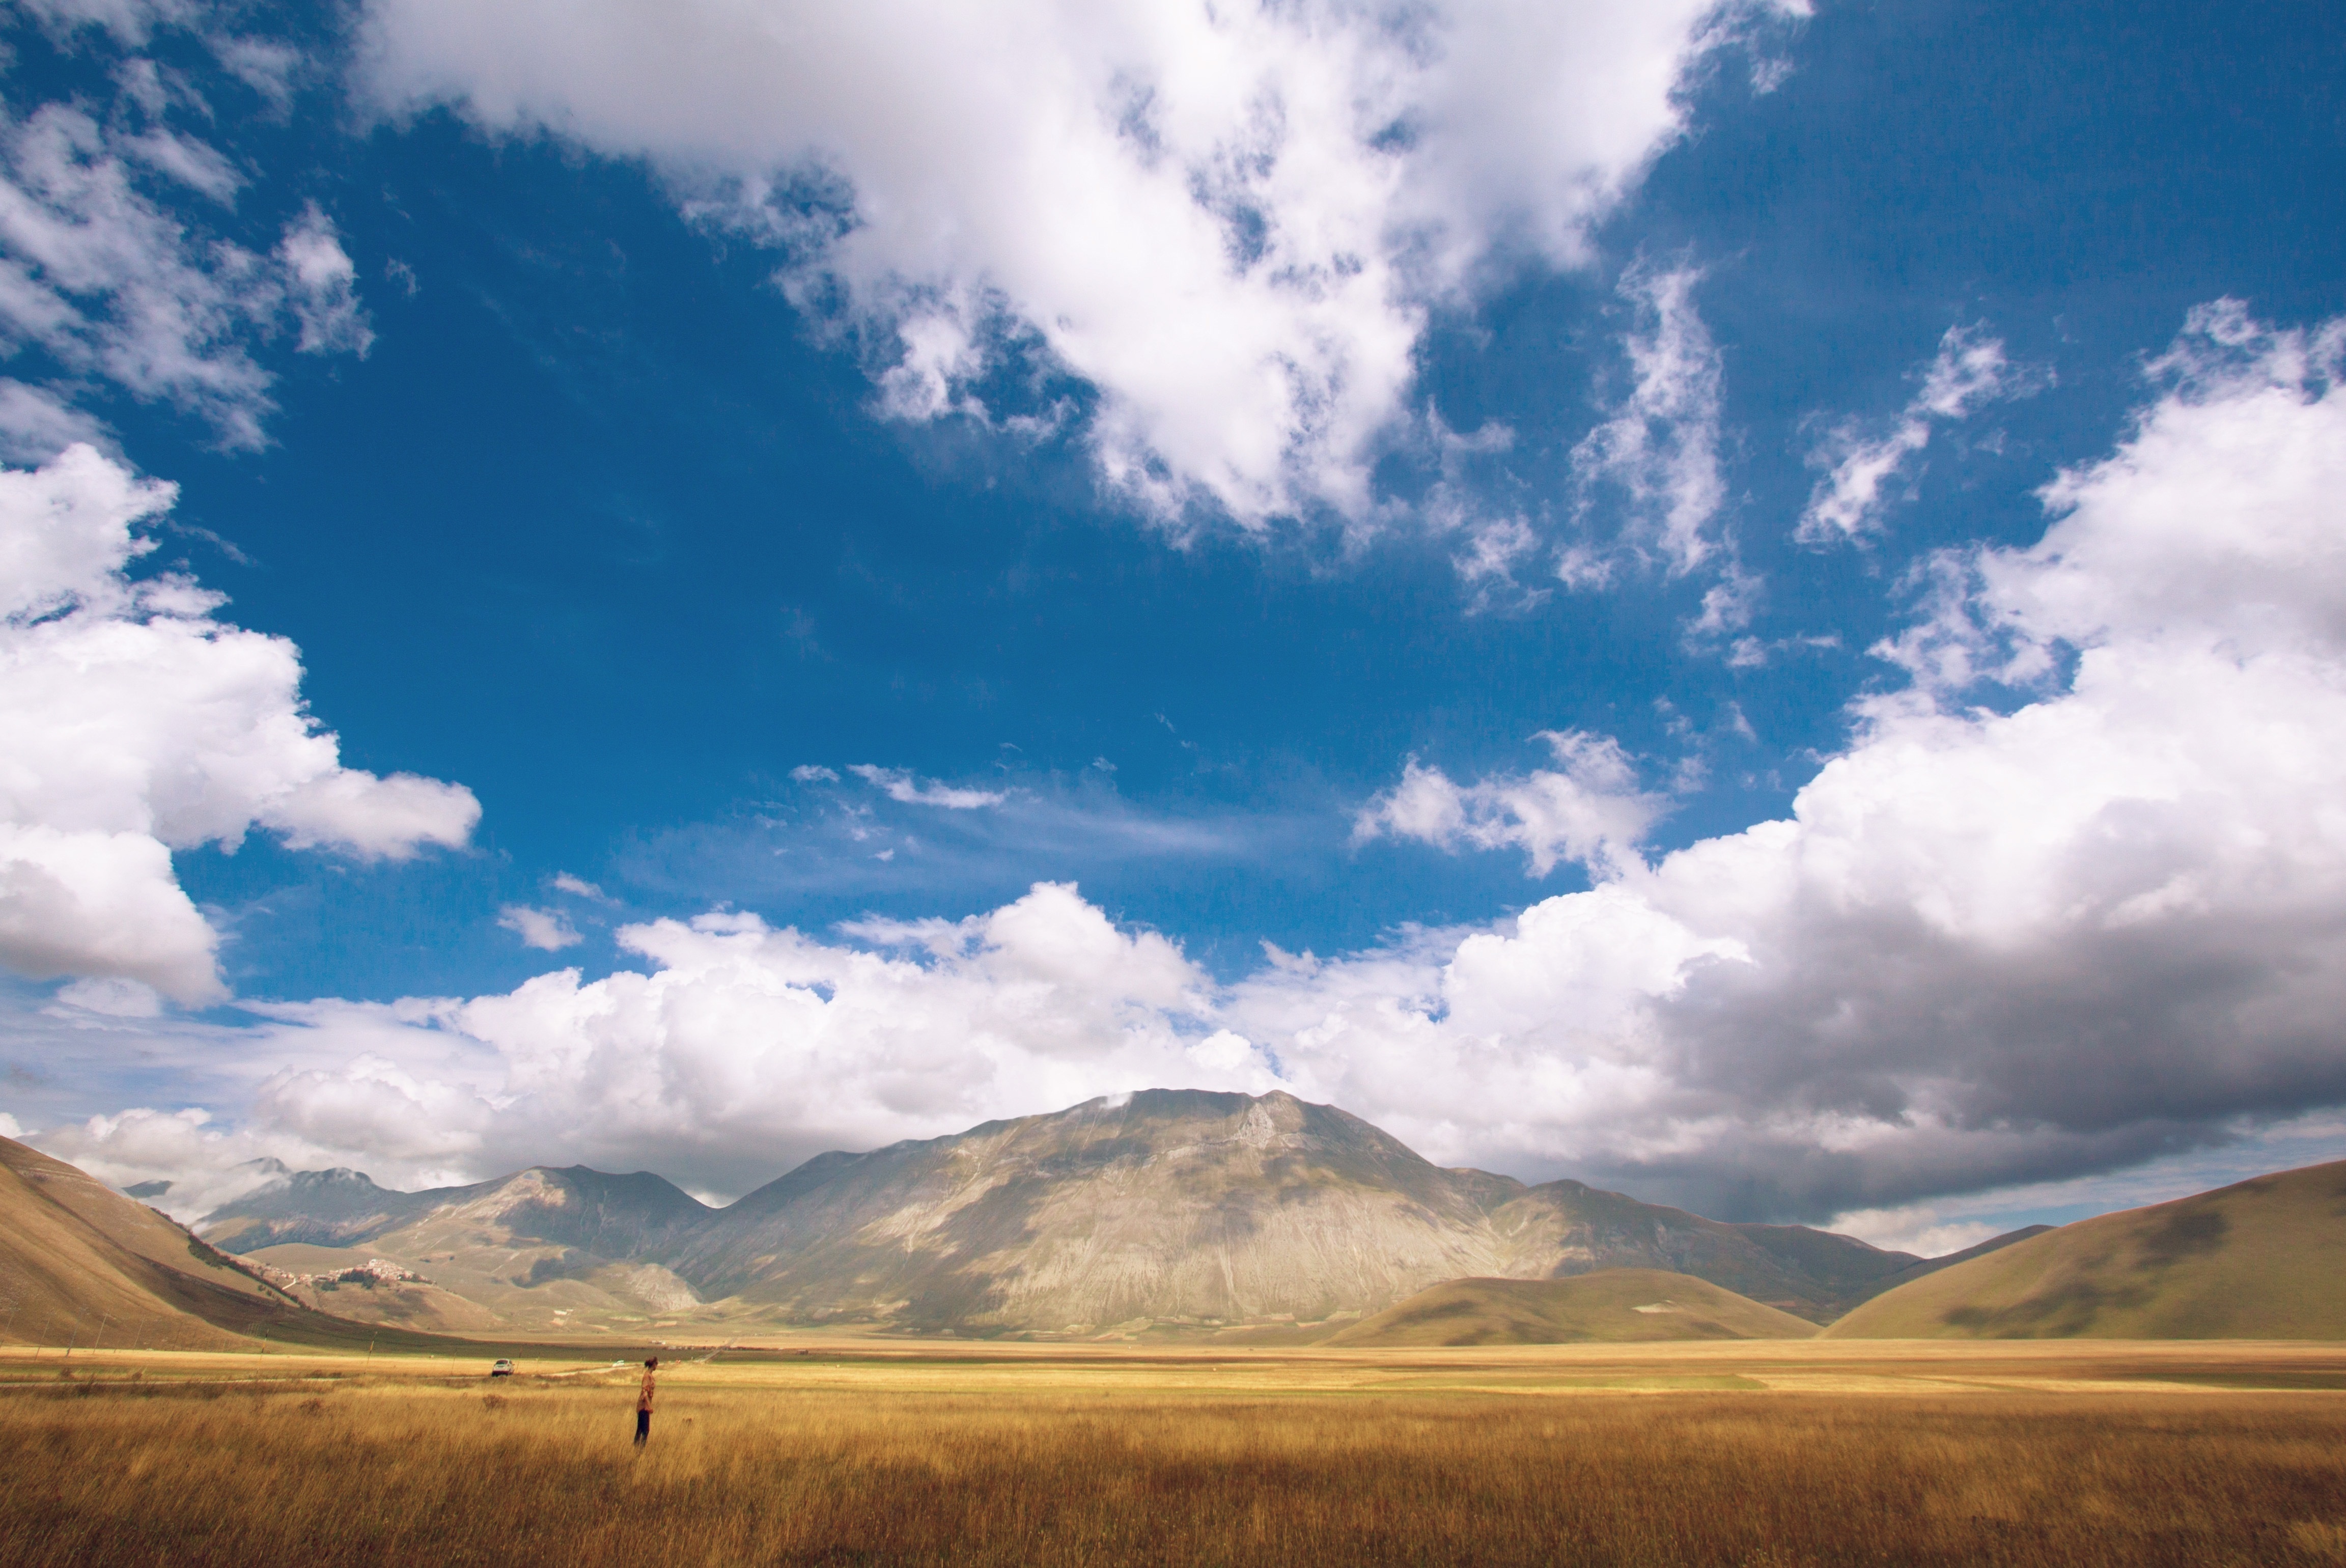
844, 1450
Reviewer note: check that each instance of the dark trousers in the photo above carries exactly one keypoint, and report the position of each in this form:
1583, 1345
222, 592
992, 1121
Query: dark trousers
643, 1427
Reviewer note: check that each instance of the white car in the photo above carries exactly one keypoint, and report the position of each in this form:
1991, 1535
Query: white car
504, 1369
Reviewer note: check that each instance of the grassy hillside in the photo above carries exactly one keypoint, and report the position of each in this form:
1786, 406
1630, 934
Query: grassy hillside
2262, 1259
1613, 1305
80, 1263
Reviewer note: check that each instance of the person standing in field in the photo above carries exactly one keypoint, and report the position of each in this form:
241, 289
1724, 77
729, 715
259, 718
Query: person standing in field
644, 1403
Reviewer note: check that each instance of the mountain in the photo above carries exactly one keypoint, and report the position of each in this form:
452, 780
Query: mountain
543, 1248
1613, 1305
1167, 1211
80, 1264
2261, 1259
1185, 1209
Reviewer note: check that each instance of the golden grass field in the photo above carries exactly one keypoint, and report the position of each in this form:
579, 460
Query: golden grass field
867, 1451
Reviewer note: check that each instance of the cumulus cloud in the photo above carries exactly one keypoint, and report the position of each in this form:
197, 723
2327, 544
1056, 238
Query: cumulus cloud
898, 785
1864, 473
1989, 945
1588, 809
1230, 221
1985, 946
133, 722
748, 1048
549, 930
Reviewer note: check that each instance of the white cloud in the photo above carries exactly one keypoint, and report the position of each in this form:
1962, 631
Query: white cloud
1985, 949
207, 1164
1984, 946
814, 773
1919, 1228
321, 285
1661, 446
36, 424
264, 64
130, 21
898, 785
1589, 809
748, 1047
112, 998
1969, 370
112, 282
549, 930
1231, 220
578, 887
133, 722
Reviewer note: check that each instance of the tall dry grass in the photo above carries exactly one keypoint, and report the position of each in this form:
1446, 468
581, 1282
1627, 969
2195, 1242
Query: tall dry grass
332, 1474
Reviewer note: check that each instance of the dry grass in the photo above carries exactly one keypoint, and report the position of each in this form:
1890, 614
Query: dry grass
1165, 1461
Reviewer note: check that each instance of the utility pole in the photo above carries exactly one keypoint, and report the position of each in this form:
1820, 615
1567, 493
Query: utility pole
103, 1320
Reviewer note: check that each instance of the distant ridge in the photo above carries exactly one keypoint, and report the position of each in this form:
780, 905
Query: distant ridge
1164, 1212
2260, 1259
1620, 1306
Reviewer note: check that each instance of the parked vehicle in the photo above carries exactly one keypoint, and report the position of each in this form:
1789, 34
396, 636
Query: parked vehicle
504, 1369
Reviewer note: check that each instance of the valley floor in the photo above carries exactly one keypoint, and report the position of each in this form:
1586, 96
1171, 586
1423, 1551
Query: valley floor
837, 1451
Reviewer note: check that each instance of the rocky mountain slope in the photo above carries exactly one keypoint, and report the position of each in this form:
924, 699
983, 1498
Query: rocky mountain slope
543, 1249
1204, 1211
2261, 1259
1168, 1211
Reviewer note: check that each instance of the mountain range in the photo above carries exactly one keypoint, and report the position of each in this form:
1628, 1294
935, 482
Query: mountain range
1166, 1212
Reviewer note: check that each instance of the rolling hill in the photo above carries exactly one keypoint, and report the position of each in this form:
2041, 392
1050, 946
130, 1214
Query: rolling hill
2261, 1259
1613, 1304
1163, 1212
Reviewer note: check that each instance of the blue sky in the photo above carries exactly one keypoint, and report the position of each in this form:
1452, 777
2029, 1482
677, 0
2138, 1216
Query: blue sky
668, 442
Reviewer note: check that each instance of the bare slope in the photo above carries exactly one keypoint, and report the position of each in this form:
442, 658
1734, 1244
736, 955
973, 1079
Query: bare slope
2262, 1259
1613, 1304
1186, 1208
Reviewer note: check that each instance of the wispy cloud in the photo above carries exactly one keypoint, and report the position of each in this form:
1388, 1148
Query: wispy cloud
1658, 449
1865, 475
113, 280
900, 785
